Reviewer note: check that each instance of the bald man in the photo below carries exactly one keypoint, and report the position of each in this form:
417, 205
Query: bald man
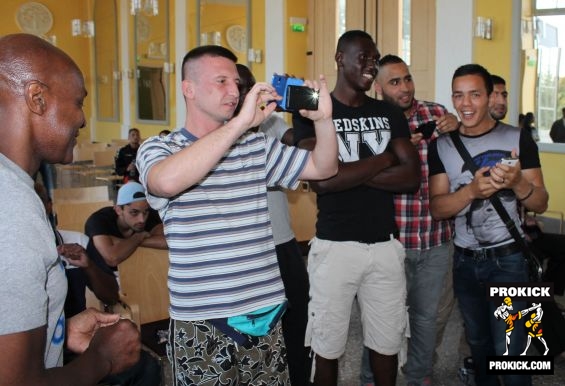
41, 97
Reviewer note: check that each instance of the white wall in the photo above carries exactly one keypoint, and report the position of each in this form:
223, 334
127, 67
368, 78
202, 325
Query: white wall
454, 44
274, 37
181, 46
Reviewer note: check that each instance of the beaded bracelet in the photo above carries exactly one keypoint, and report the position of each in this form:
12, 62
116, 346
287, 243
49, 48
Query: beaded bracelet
527, 195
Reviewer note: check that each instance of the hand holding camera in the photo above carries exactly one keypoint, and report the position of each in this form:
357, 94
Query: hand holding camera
312, 100
295, 94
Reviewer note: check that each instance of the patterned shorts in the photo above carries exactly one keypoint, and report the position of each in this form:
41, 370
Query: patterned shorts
201, 354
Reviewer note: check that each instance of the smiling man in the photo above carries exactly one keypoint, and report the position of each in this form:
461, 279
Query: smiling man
499, 105
427, 241
42, 92
356, 251
484, 249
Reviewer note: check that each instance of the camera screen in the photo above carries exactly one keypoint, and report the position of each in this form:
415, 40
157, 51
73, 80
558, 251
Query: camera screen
301, 97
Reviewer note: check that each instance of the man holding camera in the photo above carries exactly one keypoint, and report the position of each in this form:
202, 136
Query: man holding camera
209, 182
356, 251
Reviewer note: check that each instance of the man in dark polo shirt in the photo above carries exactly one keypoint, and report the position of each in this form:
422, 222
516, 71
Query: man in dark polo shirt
125, 159
116, 232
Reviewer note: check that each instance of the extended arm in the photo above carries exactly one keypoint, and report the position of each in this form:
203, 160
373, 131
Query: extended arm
187, 167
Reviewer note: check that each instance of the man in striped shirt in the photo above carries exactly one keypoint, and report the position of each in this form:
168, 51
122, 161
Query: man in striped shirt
426, 241
209, 180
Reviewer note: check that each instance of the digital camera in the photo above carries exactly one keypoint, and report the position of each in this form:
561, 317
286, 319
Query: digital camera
295, 96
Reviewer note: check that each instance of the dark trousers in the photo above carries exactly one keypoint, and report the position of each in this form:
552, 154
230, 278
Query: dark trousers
295, 319
486, 334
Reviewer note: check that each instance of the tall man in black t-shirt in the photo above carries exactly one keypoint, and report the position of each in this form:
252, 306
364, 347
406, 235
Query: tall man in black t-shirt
355, 251
116, 232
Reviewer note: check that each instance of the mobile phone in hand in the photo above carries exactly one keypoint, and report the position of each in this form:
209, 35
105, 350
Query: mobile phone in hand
427, 129
295, 96
301, 97
509, 161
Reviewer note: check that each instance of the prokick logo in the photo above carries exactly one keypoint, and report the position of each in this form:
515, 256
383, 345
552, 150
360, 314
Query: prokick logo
531, 316
533, 325
530, 292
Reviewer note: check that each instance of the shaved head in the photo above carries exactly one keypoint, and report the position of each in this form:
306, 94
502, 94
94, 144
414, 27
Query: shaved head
24, 58
41, 96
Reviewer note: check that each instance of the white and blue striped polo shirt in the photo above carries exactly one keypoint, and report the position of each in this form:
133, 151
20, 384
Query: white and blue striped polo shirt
221, 250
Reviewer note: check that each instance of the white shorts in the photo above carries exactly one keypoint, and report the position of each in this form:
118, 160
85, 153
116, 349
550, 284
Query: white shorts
338, 272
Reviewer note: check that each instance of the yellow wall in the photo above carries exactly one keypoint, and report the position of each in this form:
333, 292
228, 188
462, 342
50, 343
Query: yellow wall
296, 42
217, 17
81, 50
63, 12
258, 37
495, 54
553, 177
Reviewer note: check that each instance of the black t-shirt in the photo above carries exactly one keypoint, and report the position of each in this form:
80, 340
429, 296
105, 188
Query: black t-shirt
127, 155
105, 222
362, 213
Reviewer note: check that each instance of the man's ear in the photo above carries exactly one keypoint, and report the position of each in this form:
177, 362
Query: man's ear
338, 58
35, 96
378, 88
491, 100
188, 89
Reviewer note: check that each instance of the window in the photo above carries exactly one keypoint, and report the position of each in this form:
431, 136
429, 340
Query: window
406, 26
549, 40
549, 4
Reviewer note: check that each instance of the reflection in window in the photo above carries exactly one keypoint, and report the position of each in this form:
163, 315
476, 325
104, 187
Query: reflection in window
151, 93
405, 51
549, 35
549, 4
341, 17
549, 73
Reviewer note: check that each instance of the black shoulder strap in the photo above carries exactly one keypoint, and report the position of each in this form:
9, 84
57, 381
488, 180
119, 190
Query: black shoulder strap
500, 209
